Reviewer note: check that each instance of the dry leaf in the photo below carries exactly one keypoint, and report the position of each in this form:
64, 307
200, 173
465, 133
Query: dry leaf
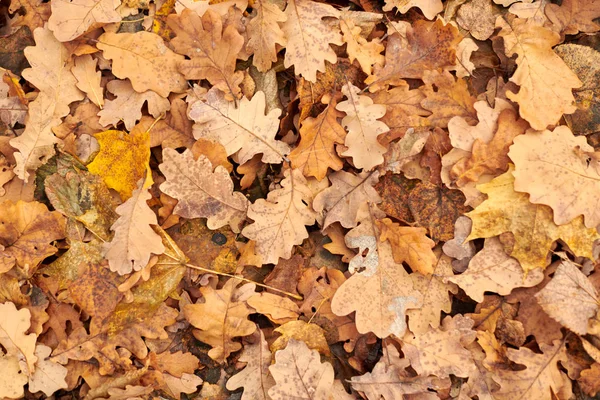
48, 376
574, 16
279, 221
299, 373
367, 53
244, 128
265, 34
134, 241
71, 19
200, 191
308, 37
310, 334
88, 79
277, 308
429, 8
144, 58
410, 245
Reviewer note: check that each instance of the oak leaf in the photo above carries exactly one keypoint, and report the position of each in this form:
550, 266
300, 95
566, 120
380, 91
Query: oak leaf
299, 373
127, 106
17, 345
507, 210
541, 377
134, 240
559, 170
265, 34
72, 18
200, 38
410, 245
88, 79
308, 37
202, 192
48, 376
255, 377
26, 231
446, 98
51, 72
574, 16
174, 131
123, 160
442, 351
12, 108
144, 58
244, 128
429, 8
570, 298
277, 308
346, 200
279, 221
431, 46
492, 270
363, 126
545, 92
308, 333
356, 27
315, 153
381, 293
220, 319
478, 18
36, 13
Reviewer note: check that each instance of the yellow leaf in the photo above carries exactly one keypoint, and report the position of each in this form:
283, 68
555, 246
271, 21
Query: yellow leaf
123, 160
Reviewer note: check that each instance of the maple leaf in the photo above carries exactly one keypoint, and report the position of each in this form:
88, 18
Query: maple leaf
72, 18
385, 288
144, 58
200, 191
134, 239
309, 37
280, 219
123, 160
299, 373
492, 270
569, 290
255, 377
572, 164
431, 46
507, 210
315, 153
127, 106
198, 38
539, 379
574, 16
430, 8
265, 34
346, 200
221, 318
361, 122
26, 230
224, 122
545, 93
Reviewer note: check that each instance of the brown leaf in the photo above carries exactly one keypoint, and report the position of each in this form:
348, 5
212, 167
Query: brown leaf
71, 19
431, 46
574, 16
277, 308
174, 131
429, 8
478, 17
310, 334
265, 34
200, 191
199, 38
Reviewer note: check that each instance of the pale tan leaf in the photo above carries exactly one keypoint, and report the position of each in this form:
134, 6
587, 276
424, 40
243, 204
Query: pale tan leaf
144, 58
201, 192
265, 33
277, 308
127, 106
88, 79
409, 244
429, 8
72, 18
309, 36
299, 374
48, 376
492, 270
570, 298
279, 221
352, 24
310, 334
244, 128
13, 325
346, 200
363, 126
559, 170
134, 241
11, 379
255, 377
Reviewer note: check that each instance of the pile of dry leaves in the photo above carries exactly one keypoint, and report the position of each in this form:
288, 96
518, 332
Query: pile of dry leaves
298, 199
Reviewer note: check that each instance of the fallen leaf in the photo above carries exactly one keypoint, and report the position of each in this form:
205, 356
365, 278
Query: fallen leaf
144, 58
201, 191
410, 245
265, 34
429, 8
71, 19
308, 37
310, 334
48, 376
355, 27
478, 17
88, 79
174, 131
574, 16
220, 319
446, 98
277, 308
299, 373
